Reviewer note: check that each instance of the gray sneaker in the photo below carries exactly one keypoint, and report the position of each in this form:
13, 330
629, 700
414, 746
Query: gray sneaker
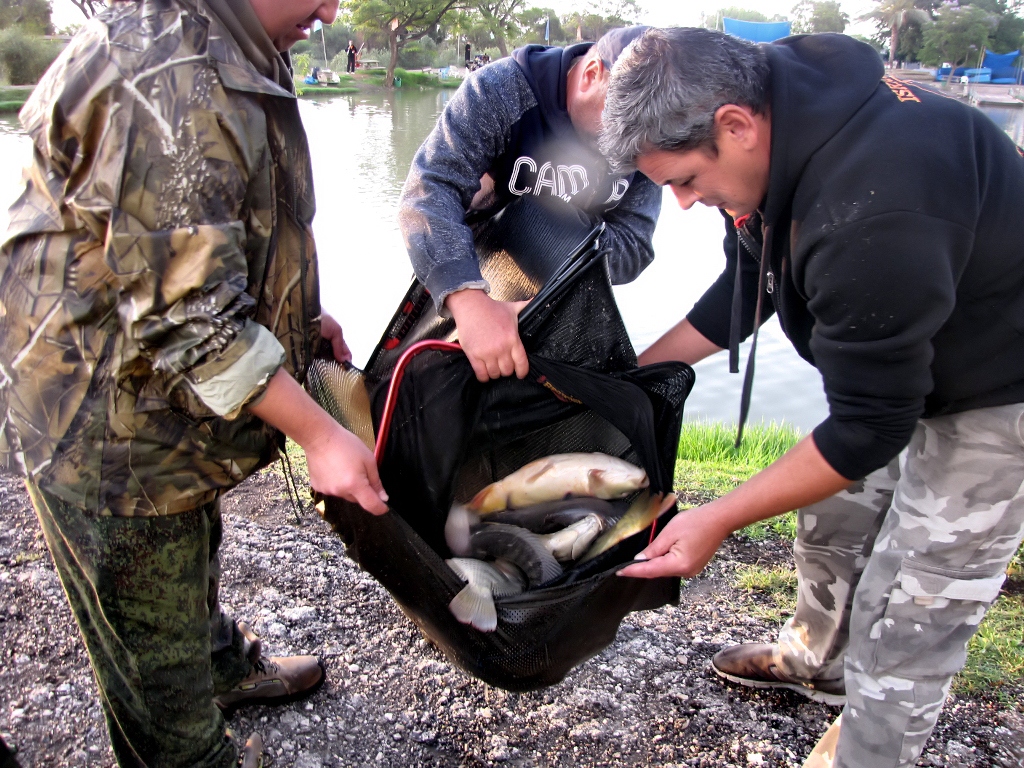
753, 665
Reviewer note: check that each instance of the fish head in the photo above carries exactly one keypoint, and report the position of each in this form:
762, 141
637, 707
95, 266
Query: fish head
617, 481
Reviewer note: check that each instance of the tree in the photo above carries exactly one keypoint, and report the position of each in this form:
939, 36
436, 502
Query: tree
499, 16
958, 35
90, 8
812, 17
893, 15
532, 23
1007, 35
401, 20
33, 16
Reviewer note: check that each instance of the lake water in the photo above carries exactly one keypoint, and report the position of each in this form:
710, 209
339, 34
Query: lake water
362, 146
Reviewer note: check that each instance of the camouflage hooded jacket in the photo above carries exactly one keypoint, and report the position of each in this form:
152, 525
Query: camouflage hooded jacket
160, 265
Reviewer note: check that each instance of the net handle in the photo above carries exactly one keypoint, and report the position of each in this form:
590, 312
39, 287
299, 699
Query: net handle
396, 380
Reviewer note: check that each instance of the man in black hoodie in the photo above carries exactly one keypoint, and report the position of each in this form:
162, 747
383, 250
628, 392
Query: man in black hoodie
522, 126
882, 223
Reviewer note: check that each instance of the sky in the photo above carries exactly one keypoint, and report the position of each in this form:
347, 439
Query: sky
656, 12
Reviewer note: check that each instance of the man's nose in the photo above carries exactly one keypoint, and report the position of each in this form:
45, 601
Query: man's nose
685, 197
328, 11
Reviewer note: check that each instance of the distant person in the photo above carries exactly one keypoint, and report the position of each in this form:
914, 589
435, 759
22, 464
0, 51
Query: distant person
881, 222
351, 51
526, 126
468, 51
160, 297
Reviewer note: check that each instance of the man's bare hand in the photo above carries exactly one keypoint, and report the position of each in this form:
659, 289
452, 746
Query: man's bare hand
330, 330
683, 548
338, 462
340, 465
489, 333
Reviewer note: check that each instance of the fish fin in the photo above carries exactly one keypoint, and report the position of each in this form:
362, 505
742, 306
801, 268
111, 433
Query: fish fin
595, 481
535, 475
487, 500
475, 606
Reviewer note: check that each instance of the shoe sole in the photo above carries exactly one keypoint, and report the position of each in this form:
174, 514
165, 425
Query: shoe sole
832, 699
230, 709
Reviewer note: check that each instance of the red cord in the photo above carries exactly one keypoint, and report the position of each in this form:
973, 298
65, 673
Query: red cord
396, 380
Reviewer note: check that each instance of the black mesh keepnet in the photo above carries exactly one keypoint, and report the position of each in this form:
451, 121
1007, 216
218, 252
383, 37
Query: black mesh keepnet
450, 435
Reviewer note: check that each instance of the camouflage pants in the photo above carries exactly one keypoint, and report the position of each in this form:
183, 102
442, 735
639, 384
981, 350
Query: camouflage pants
896, 573
144, 593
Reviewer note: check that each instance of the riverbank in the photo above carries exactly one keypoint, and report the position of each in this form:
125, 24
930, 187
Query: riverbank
13, 97
372, 81
392, 699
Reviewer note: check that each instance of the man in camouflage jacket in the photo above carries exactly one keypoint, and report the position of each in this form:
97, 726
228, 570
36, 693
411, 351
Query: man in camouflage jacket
158, 301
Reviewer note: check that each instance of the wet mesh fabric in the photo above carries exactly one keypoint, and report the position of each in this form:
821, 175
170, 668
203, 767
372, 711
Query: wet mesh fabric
450, 435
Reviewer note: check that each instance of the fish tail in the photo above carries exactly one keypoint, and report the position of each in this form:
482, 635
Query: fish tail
474, 605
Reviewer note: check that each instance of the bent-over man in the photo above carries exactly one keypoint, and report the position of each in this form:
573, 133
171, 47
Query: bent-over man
881, 223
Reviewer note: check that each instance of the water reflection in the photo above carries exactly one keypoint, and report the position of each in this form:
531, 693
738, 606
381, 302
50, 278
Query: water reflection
362, 146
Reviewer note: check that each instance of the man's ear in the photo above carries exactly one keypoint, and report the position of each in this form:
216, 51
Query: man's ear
739, 124
594, 73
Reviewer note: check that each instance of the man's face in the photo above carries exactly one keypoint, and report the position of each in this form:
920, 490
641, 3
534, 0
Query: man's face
288, 22
735, 179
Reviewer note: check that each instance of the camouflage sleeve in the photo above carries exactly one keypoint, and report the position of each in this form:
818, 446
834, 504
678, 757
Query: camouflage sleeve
157, 167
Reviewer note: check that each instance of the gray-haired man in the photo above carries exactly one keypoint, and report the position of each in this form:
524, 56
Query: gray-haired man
887, 241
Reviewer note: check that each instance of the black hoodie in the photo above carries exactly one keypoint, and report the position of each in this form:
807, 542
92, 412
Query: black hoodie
509, 121
894, 217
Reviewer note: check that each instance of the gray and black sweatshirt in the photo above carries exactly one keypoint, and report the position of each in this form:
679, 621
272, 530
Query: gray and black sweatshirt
508, 122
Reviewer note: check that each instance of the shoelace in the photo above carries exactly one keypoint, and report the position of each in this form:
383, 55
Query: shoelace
265, 666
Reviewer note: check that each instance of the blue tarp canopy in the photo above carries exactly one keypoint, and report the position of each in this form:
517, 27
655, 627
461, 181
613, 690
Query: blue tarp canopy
1001, 65
757, 31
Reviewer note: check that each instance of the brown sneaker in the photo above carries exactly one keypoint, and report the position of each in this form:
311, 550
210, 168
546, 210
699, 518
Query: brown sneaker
753, 665
273, 680
252, 753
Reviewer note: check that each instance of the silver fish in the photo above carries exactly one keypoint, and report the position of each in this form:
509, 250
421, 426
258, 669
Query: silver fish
474, 605
525, 550
551, 516
556, 477
641, 513
572, 541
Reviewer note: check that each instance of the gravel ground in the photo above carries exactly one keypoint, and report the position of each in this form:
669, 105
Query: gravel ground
391, 699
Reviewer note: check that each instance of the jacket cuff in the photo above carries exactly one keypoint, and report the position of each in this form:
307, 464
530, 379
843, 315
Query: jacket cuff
239, 375
452, 276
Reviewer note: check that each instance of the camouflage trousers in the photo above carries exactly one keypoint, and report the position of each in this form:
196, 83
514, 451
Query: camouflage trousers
144, 593
896, 572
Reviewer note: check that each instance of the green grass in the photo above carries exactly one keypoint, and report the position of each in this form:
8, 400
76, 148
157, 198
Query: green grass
770, 592
414, 79
995, 655
708, 466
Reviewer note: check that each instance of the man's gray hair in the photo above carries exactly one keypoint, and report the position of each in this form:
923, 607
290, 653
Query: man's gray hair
666, 87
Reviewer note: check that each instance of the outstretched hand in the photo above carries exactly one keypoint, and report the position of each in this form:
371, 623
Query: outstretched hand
341, 465
683, 548
489, 333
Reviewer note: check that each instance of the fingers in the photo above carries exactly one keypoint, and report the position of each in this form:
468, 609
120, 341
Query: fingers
520, 362
666, 565
368, 499
341, 351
